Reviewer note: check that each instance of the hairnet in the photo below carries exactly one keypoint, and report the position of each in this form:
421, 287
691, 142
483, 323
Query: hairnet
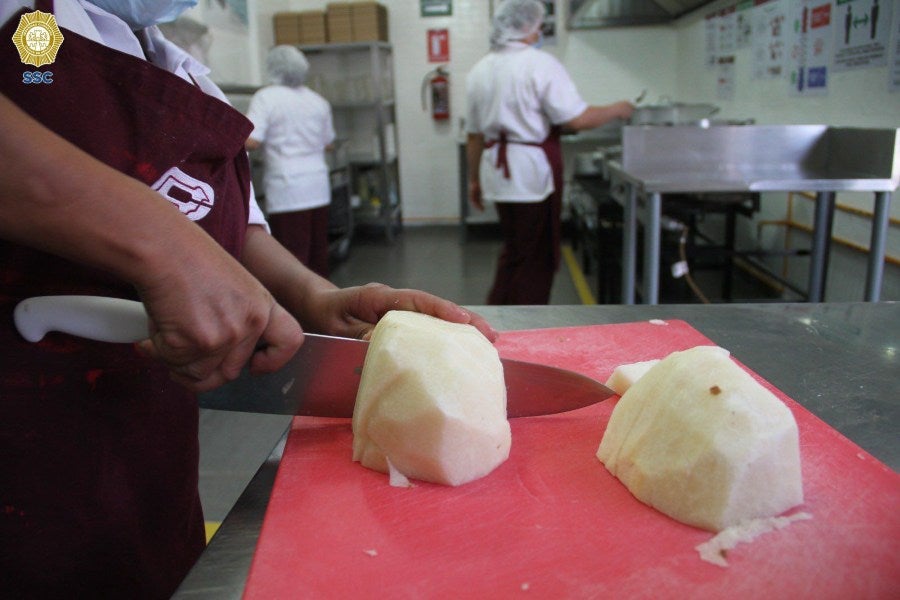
287, 66
516, 20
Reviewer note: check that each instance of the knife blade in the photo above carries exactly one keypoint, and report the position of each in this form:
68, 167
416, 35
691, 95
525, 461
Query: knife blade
320, 380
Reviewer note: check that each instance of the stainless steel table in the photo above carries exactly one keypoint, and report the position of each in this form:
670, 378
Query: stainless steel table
747, 158
841, 361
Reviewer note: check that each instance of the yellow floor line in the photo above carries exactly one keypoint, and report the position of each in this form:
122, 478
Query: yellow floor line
211, 528
581, 284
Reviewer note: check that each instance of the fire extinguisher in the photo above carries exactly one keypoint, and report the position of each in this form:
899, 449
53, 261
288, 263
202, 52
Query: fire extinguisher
438, 81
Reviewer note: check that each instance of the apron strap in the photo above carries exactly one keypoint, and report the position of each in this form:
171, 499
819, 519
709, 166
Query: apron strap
552, 148
503, 143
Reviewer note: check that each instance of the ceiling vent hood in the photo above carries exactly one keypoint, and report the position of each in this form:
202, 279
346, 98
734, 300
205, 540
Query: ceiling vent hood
590, 14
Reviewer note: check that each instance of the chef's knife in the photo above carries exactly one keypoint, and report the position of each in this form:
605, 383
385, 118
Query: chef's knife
320, 380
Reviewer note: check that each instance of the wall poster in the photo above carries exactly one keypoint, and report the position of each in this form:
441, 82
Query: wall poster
810, 52
711, 28
744, 23
862, 33
725, 78
438, 41
769, 39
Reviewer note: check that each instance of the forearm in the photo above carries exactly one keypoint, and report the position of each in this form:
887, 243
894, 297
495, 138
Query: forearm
474, 148
292, 284
597, 116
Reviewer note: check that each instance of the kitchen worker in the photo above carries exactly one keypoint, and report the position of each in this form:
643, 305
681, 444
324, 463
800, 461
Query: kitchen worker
126, 176
293, 125
519, 98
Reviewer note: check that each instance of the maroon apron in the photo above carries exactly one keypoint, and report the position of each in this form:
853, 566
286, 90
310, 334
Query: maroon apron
99, 463
525, 274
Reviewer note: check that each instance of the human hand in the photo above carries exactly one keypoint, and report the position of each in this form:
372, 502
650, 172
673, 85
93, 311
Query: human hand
208, 330
624, 109
353, 312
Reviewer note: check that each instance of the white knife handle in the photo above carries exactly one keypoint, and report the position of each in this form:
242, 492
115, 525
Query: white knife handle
92, 317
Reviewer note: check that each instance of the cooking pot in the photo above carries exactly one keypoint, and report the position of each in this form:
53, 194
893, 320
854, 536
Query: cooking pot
587, 163
672, 113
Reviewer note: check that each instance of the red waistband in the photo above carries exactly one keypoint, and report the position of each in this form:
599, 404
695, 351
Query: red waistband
503, 142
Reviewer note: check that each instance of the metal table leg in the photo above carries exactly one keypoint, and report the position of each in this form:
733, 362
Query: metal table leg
463, 193
818, 259
875, 267
629, 244
652, 247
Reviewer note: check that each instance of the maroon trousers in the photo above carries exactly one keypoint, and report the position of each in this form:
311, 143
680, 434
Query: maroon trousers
526, 265
531, 235
305, 234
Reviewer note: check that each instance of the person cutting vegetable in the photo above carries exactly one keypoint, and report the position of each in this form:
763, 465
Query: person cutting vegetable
519, 99
124, 174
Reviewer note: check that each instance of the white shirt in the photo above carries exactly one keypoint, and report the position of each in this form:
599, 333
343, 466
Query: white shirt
294, 126
523, 91
94, 23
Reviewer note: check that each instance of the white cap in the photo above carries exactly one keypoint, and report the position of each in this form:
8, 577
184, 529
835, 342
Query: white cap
287, 66
516, 20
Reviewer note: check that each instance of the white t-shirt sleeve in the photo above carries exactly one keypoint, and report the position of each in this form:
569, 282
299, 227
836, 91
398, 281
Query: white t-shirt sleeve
256, 216
560, 99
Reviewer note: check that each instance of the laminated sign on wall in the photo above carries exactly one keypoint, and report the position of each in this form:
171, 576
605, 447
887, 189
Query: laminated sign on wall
438, 45
436, 8
811, 47
862, 33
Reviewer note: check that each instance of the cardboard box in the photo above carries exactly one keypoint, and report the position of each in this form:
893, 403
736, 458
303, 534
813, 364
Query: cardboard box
313, 28
340, 23
307, 27
369, 22
287, 28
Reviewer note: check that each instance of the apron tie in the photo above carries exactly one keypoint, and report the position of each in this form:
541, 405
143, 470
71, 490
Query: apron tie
503, 143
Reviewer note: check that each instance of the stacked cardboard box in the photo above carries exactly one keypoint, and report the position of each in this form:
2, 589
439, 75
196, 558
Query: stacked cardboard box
312, 27
287, 28
369, 22
307, 27
340, 22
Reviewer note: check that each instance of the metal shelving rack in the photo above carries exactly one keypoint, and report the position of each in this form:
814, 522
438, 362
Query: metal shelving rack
357, 78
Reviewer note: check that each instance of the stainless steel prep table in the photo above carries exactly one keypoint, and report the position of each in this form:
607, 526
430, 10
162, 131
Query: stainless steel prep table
841, 361
749, 158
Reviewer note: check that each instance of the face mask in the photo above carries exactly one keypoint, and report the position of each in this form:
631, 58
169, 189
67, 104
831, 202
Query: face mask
540, 41
140, 14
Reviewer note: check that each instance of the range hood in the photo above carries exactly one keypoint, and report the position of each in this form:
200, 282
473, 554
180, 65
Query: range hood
591, 14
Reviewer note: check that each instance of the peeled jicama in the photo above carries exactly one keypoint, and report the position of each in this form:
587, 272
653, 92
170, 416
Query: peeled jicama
431, 401
624, 376
702, 441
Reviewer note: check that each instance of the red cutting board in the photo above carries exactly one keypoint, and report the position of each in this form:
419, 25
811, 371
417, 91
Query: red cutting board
551, 522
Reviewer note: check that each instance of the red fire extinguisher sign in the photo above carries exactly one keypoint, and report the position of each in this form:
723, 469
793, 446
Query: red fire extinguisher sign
438, 45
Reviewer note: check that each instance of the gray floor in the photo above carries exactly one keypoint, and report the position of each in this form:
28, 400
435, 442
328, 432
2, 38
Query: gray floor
433, 259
